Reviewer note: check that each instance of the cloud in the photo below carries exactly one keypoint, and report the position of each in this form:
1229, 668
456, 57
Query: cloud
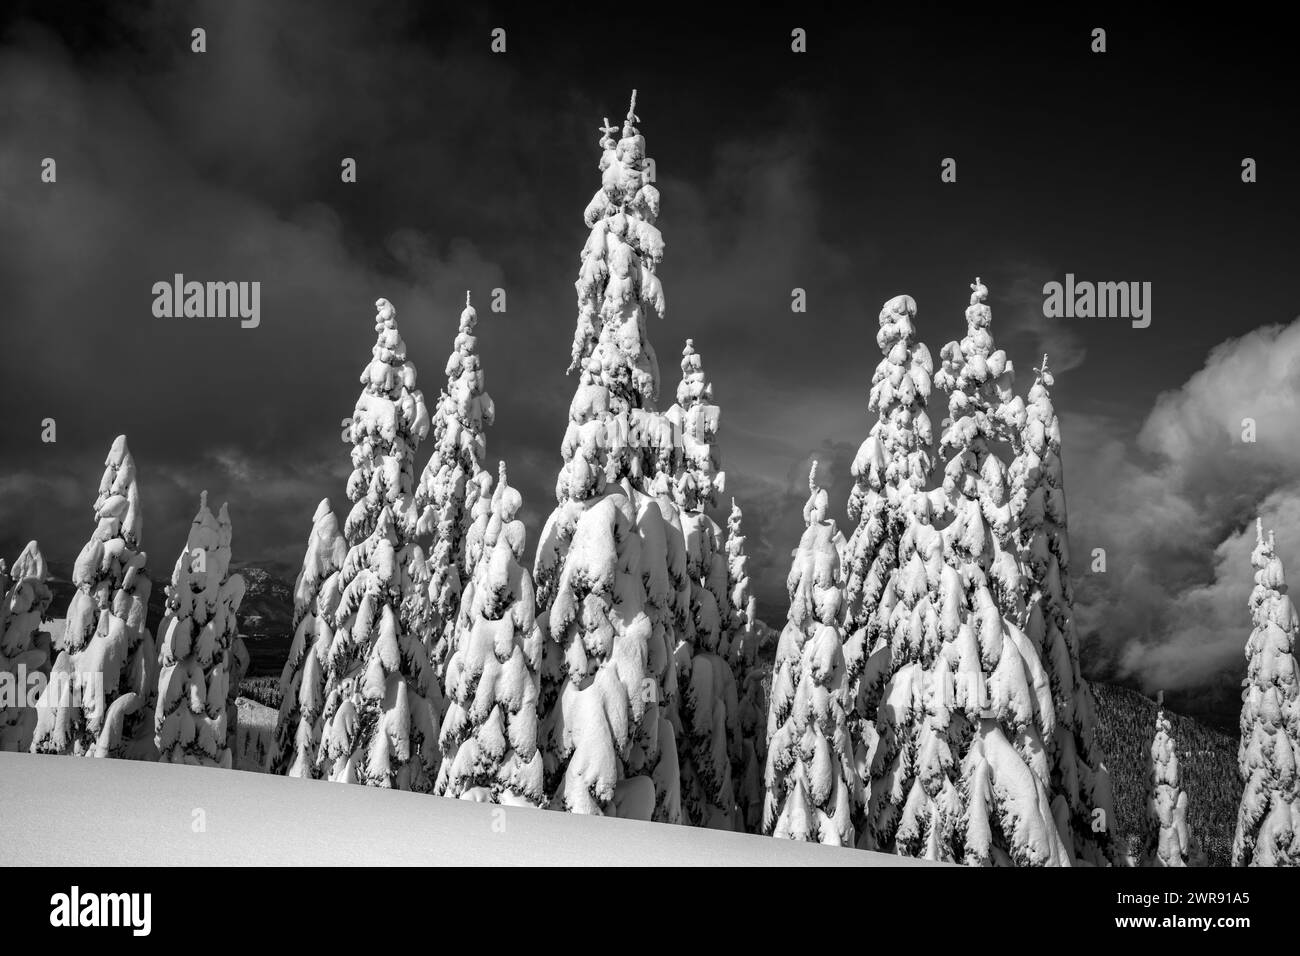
225, 166
1174, 508
1021, 324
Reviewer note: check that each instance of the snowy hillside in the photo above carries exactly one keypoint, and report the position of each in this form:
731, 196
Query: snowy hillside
256, 819
1125, 722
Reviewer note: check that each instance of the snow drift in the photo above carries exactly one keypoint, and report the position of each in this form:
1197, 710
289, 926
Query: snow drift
259, 819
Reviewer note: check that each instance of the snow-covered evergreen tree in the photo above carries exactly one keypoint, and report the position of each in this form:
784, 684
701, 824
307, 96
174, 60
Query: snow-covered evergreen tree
915, 798
1169, 842
24, 648
960, 772
1268, 822
316, 596
610, 569
708, 704
101, 702
489, 734
998, 680
749, 751
1078, 778
382, 697
810, 773
201, 654
464, 412
891, 466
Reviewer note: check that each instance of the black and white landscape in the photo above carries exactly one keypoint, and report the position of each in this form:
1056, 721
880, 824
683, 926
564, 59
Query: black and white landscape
653, 416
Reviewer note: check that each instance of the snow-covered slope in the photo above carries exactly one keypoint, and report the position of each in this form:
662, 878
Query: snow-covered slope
252, 819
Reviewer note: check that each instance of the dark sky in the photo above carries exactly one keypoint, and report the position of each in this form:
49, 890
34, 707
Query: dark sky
816, 170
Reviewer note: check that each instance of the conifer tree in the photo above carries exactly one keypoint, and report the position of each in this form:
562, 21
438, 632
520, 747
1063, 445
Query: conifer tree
665, 575
749, 750
1268, 821
610, 575
1079, 781
382, 697
1169, 842
316, 596
810, 773
891, 466
489, 734
201, 654
101, 704
464, 412
999, 682
915, 798
965, 776
24, 648
707, 686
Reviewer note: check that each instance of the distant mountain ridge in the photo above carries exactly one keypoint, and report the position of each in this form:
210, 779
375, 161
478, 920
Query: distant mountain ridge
265, 614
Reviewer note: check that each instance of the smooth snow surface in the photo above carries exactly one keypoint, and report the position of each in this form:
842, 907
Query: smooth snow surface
259, 819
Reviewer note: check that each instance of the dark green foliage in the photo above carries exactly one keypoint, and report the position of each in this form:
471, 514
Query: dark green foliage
1126, 723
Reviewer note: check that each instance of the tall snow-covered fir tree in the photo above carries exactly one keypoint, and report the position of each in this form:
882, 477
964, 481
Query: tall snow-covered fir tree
891, 466
489, 734
707, 687
1080, 783
24, 648
316, 596
464, 412
749, 751
810, 775
1268, 821
1169, 842
966, 777
382, 697
201, 654
1000, 683
610, 571
913, 798
102, 703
